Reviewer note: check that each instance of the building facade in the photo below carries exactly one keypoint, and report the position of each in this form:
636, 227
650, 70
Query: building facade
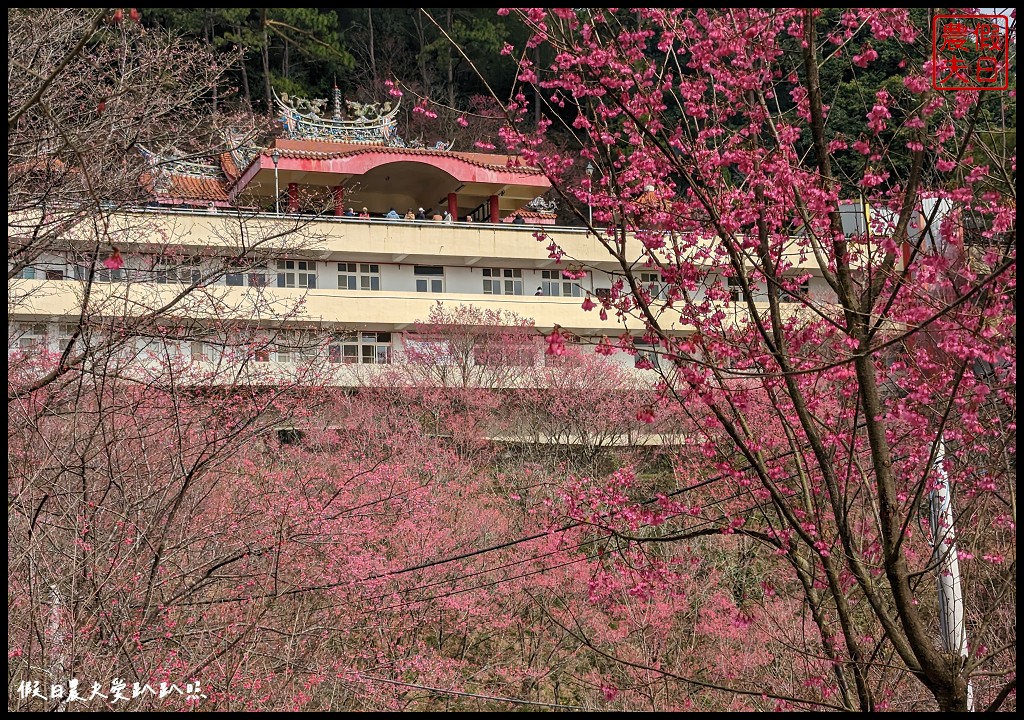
294, 240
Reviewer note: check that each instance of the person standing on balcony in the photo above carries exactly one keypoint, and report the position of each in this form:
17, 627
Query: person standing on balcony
393, 215
350, 213
447, 217
518, 220
365, 213
421, 214
540, 291
410, 215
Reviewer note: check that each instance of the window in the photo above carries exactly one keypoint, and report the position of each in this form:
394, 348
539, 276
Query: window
296, 274
295, 347
367, 348
503, 281
235, 277
646, 357
259, 276
241, 272
27, 335
283, 350
429, 278
555, 285
797, 294
27, 273
157, 348
735, 288
184, 271
65, 331
106, 275
653, 283
603, 293
200, 351
84, 264
427, 352
358, 276
54, 274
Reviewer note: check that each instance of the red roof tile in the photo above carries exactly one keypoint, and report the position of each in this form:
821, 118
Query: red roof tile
188, 188
229, 166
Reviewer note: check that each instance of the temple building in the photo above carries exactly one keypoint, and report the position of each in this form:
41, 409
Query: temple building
337, 226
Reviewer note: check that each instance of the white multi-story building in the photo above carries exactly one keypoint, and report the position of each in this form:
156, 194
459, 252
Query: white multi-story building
296, 237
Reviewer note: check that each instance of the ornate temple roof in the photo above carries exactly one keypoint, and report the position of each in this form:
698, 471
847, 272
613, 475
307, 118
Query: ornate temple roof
186, 181
354, 147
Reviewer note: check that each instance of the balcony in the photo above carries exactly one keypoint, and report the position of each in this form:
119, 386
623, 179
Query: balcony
330, 238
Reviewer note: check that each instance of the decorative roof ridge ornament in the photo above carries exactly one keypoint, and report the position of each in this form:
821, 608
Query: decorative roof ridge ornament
360, 123
178, 164
539, 204
242, 150
371, 124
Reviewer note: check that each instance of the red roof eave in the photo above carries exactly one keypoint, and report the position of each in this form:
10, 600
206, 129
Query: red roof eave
360, 160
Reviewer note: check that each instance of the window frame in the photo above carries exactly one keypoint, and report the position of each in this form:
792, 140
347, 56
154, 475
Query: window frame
555, 284
646, 353
654, 282
787, 297
297, 274
432, 282
362, 347
168, 271
363, 276
507, 281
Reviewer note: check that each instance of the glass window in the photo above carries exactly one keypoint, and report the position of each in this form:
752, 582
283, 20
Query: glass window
798, 294
358, 276
243, 273
646, 357
235, 275
296, 274
184, 271
428, 352
503, 281
429, 278
106, 275
27, 335
368, 348
200, 351
84, 264
259, 277
509, 352
65, 331
555, 284
735, 288
655, 286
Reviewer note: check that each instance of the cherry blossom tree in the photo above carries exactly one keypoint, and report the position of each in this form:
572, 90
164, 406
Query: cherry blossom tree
100, 109
849, 278
126, 428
